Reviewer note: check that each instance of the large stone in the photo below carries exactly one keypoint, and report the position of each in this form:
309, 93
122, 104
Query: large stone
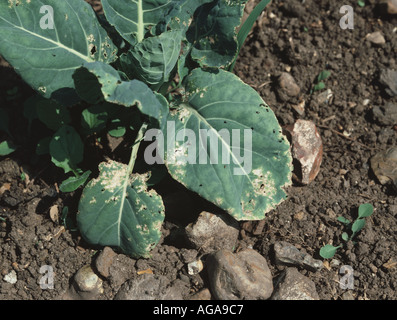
241, 276
307, 150
104, 261
86, 285
392, 6
212, 232
286, 253
292, 285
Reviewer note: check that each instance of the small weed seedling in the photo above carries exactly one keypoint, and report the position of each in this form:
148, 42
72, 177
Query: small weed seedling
319, 84
364, 211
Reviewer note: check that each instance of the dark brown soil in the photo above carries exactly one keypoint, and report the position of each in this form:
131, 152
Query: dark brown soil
303, 39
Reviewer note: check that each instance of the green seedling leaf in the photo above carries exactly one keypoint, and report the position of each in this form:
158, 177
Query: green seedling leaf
52, 114
73, 183
213, 33
328, 251
365, 210
357, 226
153, 59
361, 3
319, 86
345, 236
246, 191
46, 58
67, 221
43, 146
117, 210
344, 220
66, 149
7, 147
323, 75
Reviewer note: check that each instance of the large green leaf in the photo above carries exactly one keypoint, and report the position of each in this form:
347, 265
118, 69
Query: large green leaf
213, 33
96, 81
47, 58
221, 102
153, 59
117, 210
132, 18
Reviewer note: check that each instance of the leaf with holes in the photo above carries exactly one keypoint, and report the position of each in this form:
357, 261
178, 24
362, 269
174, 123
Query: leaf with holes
117, 210
213, 33
228, 147
47, 57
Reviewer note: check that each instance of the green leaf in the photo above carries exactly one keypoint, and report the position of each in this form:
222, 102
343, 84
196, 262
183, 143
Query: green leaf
323, 75
180, 16
97, 81
153, 59
319, 86
361, 3
365, 210
245, 189
357, 226
66, 149
47, 58
213, 33
133, 18
117, 210
345, 236
117, 129
94, 118
7, 147
328, 251
344, 220
73, 183
52, 114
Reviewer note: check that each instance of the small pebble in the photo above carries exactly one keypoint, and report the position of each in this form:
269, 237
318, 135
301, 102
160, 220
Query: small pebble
11, 277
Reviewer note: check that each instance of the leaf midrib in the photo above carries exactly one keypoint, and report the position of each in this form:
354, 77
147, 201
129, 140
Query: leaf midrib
58, 44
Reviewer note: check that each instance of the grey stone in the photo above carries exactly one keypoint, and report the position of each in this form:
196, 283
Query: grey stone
212, 232
286, 253
11, 277
287, 87
384, 165
241, 276
388, 78
152, 287
376, 38
104, 261
385, 115
292, 285
86, 285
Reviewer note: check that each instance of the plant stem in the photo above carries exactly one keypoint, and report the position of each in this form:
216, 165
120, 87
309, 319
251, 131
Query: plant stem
135, 147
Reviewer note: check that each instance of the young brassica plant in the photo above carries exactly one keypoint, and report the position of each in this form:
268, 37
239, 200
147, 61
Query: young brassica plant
164, 63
